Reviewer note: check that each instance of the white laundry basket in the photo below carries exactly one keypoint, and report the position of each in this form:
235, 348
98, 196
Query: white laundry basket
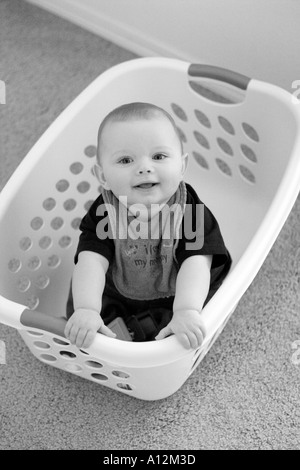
244, 163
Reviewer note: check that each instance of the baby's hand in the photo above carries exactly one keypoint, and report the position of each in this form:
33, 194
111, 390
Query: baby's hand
187, 326
82, 327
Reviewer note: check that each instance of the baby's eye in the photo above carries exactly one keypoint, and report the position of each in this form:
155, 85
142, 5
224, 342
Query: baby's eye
159, 156
125, 160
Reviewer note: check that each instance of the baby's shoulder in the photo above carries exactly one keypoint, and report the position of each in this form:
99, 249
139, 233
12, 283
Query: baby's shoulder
192, 196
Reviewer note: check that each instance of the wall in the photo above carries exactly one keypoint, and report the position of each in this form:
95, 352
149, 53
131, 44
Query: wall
258, 38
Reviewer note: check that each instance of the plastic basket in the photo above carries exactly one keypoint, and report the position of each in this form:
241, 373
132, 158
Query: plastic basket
244, 163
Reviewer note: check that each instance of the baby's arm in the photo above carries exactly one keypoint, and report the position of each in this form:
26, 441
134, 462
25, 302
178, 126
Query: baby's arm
192, 286
88, 283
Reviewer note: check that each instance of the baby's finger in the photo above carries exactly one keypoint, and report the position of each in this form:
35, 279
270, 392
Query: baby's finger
199, 336
67, 329
107, 331
166, 331
80, 337
73, 334
193, 340
89, 338
184, 340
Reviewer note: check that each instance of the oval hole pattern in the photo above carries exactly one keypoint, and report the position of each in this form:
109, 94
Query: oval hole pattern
124, 386
202, 140
94, 364
67, 354
250, 132
223, 167
180, 113
249, 153
247, 174
99, 377
202, 118
224, 145
41, 345
226, 125
200, 160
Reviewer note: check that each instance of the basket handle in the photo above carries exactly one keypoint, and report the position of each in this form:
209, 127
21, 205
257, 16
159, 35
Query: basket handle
218, 73
42, 321
16, 315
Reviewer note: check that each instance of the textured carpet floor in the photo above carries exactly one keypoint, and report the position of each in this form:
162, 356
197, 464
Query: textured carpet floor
245, 394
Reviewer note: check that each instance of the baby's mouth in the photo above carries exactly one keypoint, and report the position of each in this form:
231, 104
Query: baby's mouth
145, 185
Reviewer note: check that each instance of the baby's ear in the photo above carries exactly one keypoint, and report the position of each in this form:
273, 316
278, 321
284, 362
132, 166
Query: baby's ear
185, 158
98, 171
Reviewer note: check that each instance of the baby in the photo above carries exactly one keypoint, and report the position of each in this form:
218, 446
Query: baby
136, 244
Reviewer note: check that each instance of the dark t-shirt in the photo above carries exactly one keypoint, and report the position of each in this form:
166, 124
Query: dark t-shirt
199, 236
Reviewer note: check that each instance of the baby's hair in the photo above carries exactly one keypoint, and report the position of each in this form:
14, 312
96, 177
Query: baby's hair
132, 111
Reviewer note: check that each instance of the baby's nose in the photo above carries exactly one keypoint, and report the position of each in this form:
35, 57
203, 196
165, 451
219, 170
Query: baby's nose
145, 166
145, 170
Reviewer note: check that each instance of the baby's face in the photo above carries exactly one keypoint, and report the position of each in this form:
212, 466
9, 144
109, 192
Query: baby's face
142, 160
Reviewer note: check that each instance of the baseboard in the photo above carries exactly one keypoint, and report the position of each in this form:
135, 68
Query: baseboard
119, 33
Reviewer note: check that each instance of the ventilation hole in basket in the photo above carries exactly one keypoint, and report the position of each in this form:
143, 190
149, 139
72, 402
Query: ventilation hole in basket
180, 113
49, 204
223, 167
247, 174
60, 342
48, 358
99, 377
34, 333
67, 354
209, 94
76, 223
90, 151
88, 204
23, 284
250, 132
83, 187
226, 125
124, 386
36, 223
94, 364
42, 281
120, 374
202, 140
69, 204
76, 168
200, 160
224, 145
32, 302
41, 345
34, 263
25, 243
53, 261
45, 242
202, 118
182, 135
249, 153
57, 223
65, 241
62, 185
14, 265
84, 352
75, 368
